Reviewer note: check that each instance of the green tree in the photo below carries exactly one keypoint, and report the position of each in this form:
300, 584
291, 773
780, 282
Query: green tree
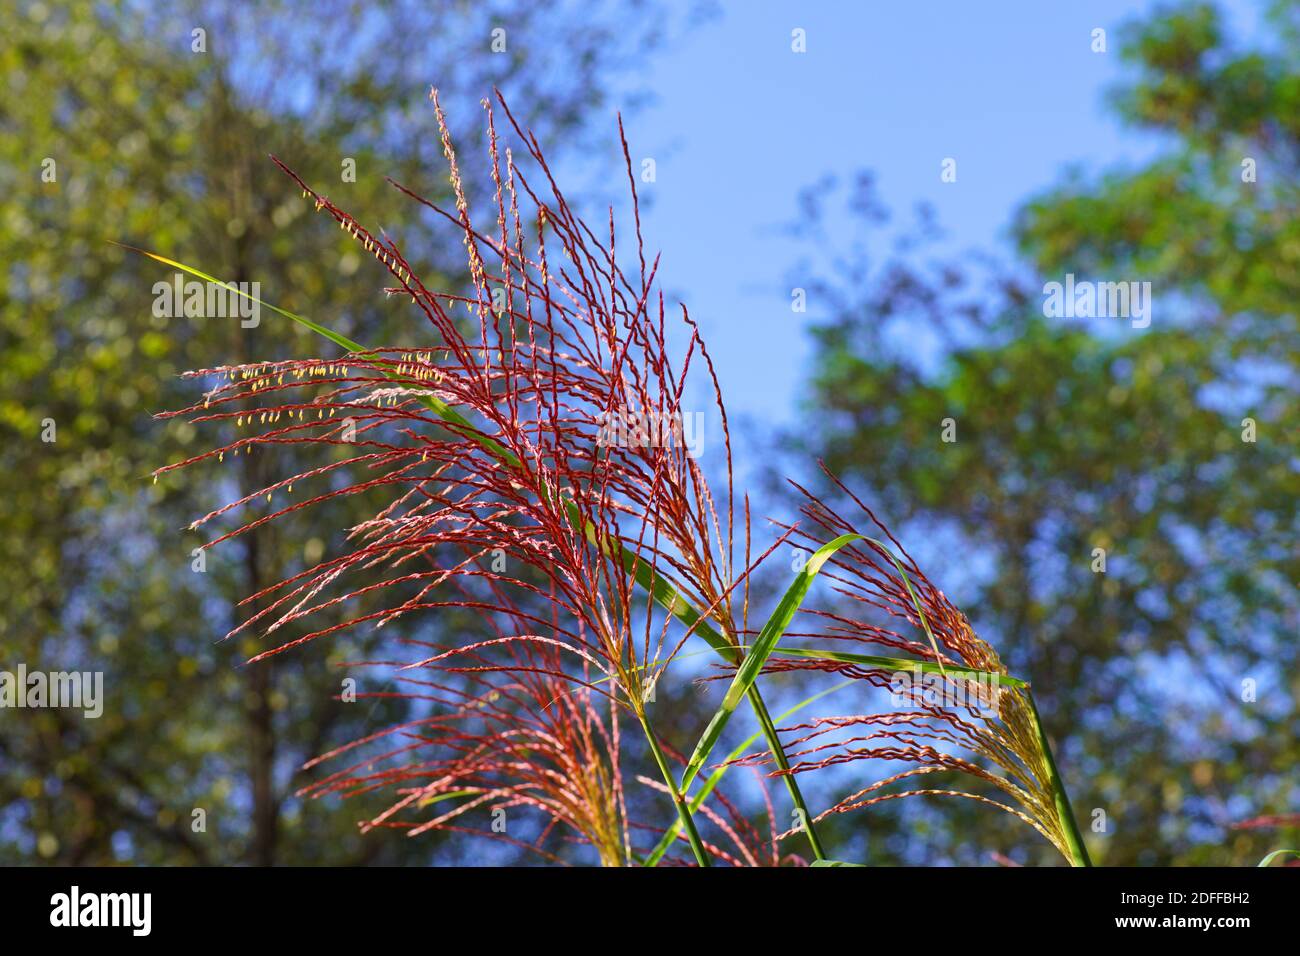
155, 123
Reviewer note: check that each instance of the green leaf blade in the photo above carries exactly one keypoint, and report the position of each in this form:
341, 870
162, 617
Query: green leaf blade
753, 662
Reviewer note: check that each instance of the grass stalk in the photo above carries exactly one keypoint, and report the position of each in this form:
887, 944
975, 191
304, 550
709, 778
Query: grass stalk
778, 754
1073, 838
683, 811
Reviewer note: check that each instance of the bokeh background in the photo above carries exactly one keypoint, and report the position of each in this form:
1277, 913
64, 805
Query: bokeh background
776, 171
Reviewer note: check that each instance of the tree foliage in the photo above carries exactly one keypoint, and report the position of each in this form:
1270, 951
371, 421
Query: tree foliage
1170, 679
161, 144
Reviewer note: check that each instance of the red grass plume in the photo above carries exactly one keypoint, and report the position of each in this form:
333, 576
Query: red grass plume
979, 725
518, 482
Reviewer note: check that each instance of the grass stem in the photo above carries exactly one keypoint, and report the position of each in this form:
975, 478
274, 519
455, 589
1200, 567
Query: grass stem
778, 754
1073, 838
683, 811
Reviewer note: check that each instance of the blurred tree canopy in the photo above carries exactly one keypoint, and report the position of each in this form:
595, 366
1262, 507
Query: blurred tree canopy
150, 125
1078, 435
1072, 436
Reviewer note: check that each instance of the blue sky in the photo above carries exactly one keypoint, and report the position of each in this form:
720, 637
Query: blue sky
740, 124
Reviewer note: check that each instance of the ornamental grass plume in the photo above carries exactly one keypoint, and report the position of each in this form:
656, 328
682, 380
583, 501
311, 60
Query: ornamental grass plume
516, 729
559, 353
504, 438
962, 698
532, 473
